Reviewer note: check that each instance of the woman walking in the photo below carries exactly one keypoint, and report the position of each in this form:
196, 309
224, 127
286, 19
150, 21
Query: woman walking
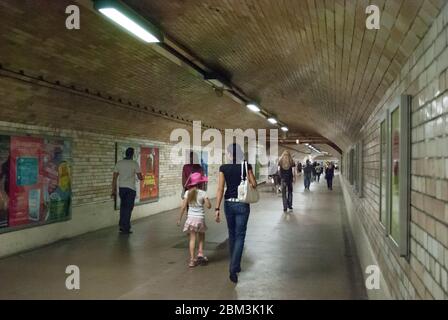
287, 176
237, 213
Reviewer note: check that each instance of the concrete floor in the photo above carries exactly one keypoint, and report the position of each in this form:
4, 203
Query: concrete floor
304, 255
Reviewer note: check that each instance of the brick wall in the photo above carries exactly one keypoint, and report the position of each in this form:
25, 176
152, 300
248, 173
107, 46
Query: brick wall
93, 163
425, 78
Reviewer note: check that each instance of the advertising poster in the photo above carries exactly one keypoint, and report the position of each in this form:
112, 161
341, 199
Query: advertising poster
148, 159
36, 180
204, 162
204, 165
149, 165
26, 168
56, 179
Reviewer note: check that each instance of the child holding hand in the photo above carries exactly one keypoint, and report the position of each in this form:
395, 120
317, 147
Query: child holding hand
195, 199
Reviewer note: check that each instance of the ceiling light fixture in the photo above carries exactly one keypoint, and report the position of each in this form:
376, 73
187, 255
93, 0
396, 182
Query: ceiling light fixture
272, 120
284, 129
129, 20
253, 107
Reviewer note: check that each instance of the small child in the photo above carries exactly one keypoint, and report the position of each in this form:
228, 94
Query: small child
195, 199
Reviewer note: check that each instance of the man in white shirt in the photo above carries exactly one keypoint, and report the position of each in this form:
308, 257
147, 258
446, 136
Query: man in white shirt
126, 170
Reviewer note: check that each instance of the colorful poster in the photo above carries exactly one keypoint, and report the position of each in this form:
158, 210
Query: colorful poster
56, 180
39, 180
149, 165
204, 165
204, 162
24, 174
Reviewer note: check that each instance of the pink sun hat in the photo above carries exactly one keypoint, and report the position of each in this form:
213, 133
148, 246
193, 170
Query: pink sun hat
195, 179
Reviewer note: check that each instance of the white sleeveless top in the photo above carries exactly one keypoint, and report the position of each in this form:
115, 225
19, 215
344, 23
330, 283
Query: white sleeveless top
197, 210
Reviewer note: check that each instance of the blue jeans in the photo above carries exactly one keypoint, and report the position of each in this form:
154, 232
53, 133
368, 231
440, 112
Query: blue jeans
287, 193
127, 199
237, 215
307, 181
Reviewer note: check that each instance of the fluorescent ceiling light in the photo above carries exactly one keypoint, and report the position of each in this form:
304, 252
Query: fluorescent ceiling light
284, 129
127, 18
272, 120
253, 107
129, 25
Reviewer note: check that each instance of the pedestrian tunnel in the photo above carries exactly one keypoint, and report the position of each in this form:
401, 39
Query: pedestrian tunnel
356, 95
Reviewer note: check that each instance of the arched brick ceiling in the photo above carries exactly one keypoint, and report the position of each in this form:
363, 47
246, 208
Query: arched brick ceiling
101, 57
313, 62
310, 61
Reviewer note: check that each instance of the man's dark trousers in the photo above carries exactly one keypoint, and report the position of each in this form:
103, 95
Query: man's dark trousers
127, 199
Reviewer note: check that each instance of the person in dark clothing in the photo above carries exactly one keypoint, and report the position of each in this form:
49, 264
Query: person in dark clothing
237, 213
299, 167
308, 172
318, 172
4, 174
314, 171
287, 176
190, 168
329, 175
4, 192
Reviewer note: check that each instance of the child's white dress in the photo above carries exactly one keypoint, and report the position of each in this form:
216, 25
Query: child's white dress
196, 214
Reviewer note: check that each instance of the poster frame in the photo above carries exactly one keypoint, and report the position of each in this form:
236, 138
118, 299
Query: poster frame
72, 164
139, 145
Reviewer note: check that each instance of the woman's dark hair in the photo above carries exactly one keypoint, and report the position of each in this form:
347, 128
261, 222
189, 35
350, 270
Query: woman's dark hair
129, 153
236, 152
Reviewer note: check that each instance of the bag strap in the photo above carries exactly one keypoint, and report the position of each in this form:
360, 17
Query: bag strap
243, 166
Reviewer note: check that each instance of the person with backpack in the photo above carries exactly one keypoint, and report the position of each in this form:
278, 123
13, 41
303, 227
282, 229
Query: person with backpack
288, 177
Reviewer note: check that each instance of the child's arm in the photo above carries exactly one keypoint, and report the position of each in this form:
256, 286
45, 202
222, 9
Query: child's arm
182, 210
207, 203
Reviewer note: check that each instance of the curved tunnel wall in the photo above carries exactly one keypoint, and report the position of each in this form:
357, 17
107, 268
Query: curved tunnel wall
424, 276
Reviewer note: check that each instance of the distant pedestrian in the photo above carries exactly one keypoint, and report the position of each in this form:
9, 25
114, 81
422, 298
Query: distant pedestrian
273, 174
287, 176
194, 201
329, 175
314, 171
318, 172
299, 167
126, 171
188, 169
307, 172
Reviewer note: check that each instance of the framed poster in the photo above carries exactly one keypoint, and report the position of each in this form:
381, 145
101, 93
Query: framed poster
35, 181
204, 165
149, 165
147, 158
